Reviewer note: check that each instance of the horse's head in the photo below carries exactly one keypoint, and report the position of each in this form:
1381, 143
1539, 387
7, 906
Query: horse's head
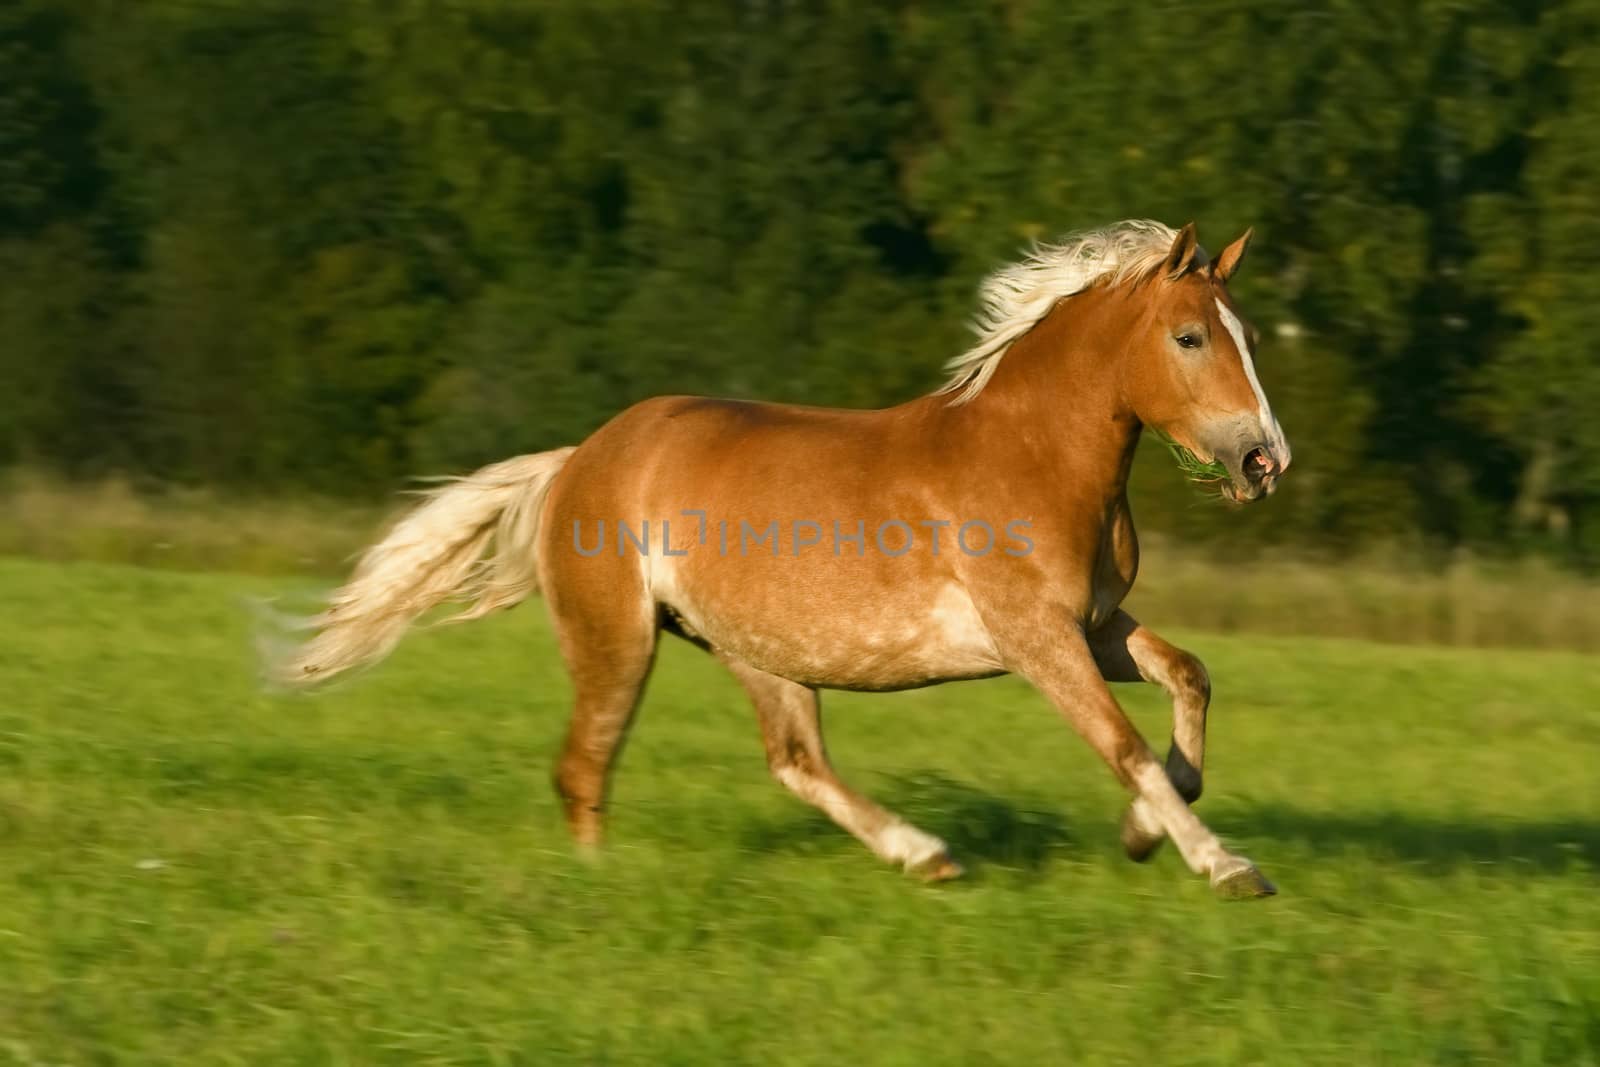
1191, 375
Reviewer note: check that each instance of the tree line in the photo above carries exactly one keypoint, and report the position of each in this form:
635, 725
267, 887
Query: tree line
286, 246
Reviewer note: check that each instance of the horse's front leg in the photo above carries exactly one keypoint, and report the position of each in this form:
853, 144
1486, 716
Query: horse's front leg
1066, 672
1128, 652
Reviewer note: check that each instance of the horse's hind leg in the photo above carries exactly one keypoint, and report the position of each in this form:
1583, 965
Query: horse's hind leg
1128, 652
791, 727
608, 652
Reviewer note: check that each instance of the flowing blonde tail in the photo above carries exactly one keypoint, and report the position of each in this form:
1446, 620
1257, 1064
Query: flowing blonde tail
471, 540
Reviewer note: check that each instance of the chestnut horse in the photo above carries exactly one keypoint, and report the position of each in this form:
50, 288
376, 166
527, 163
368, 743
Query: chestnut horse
979, 530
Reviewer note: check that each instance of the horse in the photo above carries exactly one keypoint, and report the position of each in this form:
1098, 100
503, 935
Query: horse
977, 530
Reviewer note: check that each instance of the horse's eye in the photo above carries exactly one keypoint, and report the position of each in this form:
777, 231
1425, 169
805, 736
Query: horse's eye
1188, 340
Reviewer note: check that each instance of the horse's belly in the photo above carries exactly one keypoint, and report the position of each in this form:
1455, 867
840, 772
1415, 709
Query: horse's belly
899, 643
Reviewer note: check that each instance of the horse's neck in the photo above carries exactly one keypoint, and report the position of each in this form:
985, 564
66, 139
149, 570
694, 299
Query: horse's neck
1054, 408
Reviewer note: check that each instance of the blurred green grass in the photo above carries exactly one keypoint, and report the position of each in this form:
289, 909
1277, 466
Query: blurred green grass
196, 871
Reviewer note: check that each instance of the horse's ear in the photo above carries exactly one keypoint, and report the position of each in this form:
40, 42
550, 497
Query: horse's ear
1184, 247
1228, 261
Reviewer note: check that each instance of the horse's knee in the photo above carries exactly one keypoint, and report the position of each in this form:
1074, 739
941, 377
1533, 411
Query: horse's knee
1128, 755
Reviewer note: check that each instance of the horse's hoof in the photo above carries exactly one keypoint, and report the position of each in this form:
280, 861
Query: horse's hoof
937, 868
1240, 880
1139, 844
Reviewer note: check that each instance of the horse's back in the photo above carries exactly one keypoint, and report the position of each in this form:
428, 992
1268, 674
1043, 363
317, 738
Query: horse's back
681, 451
707, 422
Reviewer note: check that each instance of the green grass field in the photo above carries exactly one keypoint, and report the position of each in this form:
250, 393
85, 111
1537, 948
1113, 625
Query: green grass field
197, 872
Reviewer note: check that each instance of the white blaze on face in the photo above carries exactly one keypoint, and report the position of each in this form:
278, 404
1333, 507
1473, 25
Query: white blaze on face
1272, 433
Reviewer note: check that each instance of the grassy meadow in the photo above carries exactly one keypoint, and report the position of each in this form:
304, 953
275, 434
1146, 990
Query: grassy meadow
196, 871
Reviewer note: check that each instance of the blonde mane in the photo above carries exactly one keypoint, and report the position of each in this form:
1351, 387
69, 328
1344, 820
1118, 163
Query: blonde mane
1014, 299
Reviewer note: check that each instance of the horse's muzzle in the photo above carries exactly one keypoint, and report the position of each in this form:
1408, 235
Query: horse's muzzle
1255, 469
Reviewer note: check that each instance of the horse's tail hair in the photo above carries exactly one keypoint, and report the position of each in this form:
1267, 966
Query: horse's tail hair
471, 540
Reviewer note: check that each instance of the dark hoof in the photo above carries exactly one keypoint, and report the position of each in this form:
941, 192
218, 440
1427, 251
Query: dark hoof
1140, 844
1242, 882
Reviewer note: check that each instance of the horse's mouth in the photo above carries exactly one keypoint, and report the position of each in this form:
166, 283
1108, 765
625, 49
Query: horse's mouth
1258, 476
1241, 467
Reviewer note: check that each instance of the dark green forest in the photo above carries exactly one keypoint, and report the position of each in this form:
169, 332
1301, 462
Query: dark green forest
320, 247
